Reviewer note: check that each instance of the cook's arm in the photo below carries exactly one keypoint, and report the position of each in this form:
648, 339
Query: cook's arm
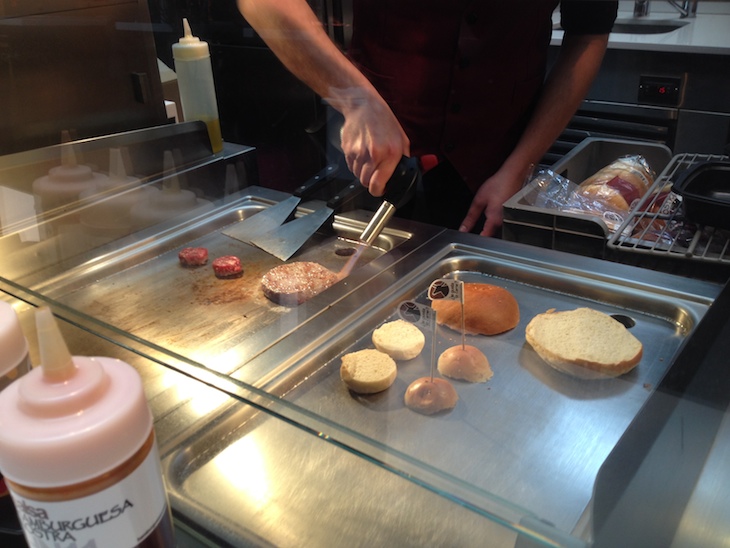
372, 139
567, 84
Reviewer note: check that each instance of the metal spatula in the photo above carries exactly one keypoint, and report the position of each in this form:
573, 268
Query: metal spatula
263, 222
285, 241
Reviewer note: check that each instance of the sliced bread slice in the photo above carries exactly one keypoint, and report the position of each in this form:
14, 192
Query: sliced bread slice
399, 339
584, 343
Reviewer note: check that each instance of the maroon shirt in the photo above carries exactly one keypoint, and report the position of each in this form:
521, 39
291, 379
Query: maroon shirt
462, 76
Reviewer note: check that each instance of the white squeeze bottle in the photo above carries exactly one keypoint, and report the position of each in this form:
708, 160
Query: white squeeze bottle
78, 452
64, 183
195, 83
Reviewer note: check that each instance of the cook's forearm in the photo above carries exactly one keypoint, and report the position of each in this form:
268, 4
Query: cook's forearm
566, 86
371, 138
297, 38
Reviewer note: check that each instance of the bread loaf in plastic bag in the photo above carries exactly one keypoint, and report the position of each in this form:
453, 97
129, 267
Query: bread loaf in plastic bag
609, 194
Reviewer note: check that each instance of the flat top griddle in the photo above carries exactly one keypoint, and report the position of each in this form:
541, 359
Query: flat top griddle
219, 323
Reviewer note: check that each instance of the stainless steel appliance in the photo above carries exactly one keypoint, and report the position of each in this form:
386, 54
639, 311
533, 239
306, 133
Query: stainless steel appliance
673, 98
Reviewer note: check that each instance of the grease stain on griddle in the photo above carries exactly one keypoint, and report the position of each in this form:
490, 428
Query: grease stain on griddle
207, 289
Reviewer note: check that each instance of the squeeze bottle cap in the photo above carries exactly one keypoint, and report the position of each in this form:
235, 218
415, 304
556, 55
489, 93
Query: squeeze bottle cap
71, 419
13, 344
189, 47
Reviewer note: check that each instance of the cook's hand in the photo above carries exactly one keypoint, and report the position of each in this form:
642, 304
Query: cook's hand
489, 200
373, 142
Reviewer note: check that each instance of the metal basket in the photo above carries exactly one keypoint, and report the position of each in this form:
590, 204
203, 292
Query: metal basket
663, 232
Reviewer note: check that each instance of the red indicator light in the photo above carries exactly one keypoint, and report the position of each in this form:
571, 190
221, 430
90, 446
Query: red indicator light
662, 90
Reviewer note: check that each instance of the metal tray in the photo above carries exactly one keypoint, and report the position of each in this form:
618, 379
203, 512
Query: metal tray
531, 438
141, 291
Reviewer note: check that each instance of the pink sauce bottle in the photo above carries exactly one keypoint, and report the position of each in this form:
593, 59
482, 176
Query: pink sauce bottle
78, 451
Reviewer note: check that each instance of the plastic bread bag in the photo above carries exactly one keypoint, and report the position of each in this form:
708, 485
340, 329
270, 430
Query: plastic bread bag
553, 191
550, 190
621, 184
659, 217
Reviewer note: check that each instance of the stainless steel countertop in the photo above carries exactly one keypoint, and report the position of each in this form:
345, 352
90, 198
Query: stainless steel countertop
262, 445
332, 488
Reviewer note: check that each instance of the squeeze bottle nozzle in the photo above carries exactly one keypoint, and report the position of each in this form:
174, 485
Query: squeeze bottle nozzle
68, 154
56, 360
171, 183
188, 34
190, 47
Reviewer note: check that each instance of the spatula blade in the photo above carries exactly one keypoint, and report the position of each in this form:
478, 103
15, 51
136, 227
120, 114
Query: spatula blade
262, 222
286, 240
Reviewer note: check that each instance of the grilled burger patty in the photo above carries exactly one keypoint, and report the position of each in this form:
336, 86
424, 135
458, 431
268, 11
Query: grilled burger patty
193, 256
293, 283
228, 266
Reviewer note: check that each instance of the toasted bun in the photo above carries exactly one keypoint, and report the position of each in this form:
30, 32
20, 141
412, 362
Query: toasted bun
584, 343
466, 362
488, 310
429, 396
399, 339
367, 371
